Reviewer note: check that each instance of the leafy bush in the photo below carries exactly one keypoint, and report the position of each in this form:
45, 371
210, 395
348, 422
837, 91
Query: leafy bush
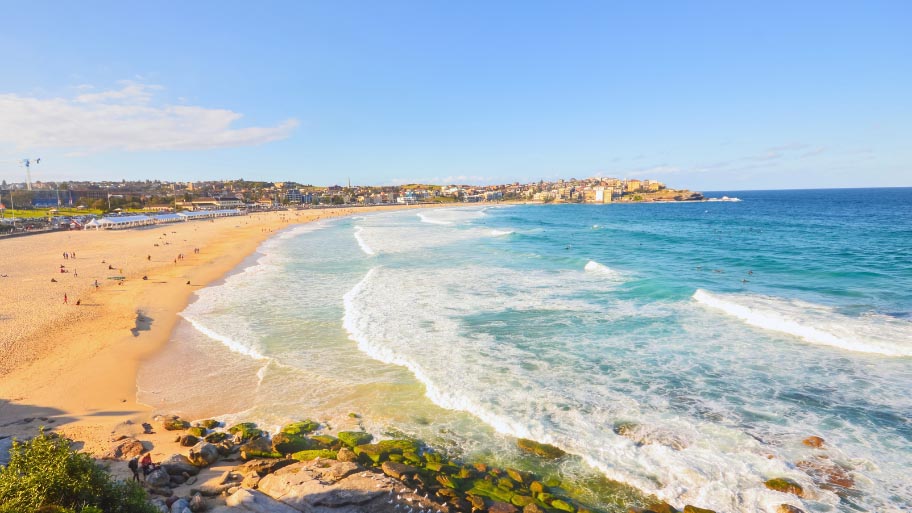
44, 474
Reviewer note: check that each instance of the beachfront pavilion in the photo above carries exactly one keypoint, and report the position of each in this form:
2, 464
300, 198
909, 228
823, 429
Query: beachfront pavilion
120, 222
123, 222
208, 214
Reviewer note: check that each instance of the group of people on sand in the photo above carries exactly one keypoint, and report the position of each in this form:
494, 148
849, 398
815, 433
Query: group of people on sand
145, 465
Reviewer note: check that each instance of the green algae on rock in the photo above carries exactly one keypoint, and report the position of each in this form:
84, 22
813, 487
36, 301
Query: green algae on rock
355, 438
300, 428
314, 454
197, 431
175, 424
546, 451
259, 448
285, 443
785, 485
246, 431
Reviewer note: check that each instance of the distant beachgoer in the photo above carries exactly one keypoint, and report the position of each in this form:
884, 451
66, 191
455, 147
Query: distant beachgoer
78, 302
110, 267
96, 284
145, 277
64, 299
134, 467
53, 280
147, 465
149, 258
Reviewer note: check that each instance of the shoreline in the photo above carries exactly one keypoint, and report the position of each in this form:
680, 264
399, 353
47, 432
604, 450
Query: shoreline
74, 368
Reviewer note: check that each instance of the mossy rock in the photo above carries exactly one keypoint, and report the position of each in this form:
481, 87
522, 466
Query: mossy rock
209, 423
301, 428
285, 443
412, 457
397, 458
521, 500
355, 438
327, 442
785, 485
694, 509
451, 482
175, 424
216, 437
354, 415
563, 506
433, 457
372, 453
444, 468
546, 451
518, 476
477, 501
662, 507
552, 482
506, 483
246, 431
197, 431
537, 487
314, 454
259, 448
399, 446
490, 490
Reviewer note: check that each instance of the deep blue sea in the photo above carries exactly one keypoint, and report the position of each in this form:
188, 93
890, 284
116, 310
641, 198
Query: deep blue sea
720, 334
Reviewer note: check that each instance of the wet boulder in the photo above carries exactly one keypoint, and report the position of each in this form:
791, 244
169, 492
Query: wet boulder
546, 451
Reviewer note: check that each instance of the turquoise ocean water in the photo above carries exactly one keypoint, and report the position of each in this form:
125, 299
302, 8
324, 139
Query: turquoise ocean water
724, 332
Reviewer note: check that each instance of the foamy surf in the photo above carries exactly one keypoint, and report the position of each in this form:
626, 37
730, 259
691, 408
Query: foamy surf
602, 270
817, 324
431, 220
363, 245
227, 341
501, 233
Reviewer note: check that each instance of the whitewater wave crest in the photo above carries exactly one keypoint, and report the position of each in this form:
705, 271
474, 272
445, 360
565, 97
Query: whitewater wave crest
230, 343
602, 270
363, 245
816, 324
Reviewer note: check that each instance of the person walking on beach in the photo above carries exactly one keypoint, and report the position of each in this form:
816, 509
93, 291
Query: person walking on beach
65, 299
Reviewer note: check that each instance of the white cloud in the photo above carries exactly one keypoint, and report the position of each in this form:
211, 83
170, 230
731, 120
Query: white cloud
124, 119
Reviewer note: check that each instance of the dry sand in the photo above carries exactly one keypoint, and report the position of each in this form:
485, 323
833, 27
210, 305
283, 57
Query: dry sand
73, 367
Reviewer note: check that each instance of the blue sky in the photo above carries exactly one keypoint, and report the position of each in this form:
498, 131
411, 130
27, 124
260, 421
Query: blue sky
701, 95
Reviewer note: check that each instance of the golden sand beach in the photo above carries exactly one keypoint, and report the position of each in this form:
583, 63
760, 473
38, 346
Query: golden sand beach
72, 364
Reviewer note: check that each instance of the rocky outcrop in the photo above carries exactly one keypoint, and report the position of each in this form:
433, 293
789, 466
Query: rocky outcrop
813, 441
177, 464
542, 450
203, 454
158, 478
257, 502
123, 449
785, 485
259, 448
334, 484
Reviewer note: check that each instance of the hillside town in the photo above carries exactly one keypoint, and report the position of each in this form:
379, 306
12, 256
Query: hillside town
156, 195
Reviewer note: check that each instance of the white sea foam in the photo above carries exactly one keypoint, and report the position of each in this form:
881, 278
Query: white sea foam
363, 245
596, 268
431, 220
817, 324
230, 343
504, 394
499, 233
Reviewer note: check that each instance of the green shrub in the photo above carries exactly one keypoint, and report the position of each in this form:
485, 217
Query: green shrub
45, 473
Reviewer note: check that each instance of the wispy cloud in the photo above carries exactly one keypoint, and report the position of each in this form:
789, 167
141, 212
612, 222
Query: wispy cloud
124, 119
